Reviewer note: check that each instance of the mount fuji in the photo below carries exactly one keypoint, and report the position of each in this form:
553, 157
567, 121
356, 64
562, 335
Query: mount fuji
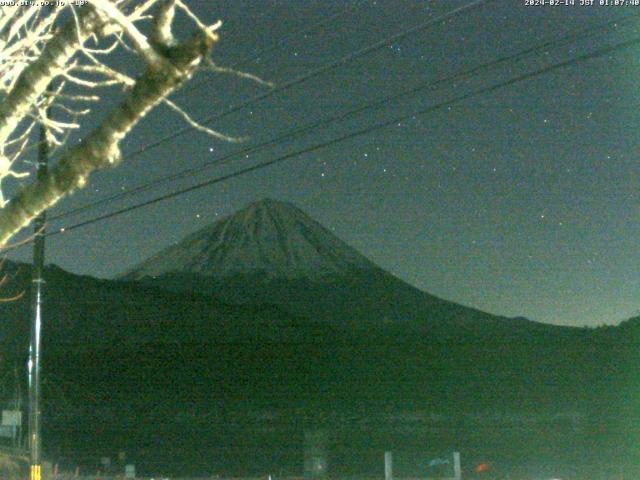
266, 311
271, 238
272, 252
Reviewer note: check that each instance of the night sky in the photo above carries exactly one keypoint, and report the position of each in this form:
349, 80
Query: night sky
521, 202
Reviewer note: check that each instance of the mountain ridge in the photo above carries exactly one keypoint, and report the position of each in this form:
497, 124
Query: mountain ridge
112, 347
273, 237
272, 252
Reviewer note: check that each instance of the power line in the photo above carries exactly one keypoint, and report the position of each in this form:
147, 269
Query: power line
314, 73
567, 39
256, 56
277, 46
196, 85
357, 133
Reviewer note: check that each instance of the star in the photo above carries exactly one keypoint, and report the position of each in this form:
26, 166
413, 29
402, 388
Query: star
505, 127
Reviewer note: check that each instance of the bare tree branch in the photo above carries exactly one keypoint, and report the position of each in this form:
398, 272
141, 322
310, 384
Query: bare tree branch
34, 79
230, 71
100, 149
53, 67
139, 41
199, 127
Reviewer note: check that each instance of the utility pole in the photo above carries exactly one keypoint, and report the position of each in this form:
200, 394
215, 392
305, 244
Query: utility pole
37, 291
388, 466
457, 469
17, 407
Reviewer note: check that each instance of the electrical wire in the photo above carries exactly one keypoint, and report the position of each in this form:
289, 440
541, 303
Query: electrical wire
357, 133
314, 73
260, 53
565, 40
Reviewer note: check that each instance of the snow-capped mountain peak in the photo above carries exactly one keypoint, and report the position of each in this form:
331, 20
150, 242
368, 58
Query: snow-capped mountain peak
269, 237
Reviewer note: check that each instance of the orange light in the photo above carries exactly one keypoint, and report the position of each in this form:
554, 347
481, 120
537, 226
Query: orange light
483, 467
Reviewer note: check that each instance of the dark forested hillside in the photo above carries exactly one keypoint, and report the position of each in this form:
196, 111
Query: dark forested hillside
121, 355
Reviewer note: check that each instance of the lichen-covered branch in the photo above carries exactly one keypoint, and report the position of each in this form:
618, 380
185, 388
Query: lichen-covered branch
35, 77
100, 148
139, 41
52, 66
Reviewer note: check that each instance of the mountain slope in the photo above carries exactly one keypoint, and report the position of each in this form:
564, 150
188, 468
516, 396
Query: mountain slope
272, 238
272, 252
81, 312
129, 357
